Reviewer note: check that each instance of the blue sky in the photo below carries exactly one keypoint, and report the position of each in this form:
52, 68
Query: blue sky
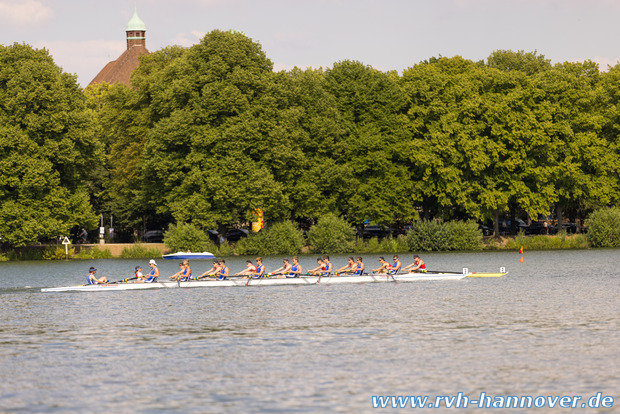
84, 35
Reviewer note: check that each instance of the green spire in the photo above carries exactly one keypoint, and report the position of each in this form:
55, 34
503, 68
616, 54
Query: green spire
135, 23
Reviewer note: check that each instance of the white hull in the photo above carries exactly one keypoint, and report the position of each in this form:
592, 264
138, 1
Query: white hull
268, 281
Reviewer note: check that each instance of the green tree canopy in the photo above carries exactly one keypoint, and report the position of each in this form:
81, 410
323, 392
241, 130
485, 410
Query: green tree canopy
47, 148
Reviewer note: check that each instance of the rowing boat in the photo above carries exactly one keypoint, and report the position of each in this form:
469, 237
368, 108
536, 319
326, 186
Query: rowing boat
502, 272
189, 256
265, 281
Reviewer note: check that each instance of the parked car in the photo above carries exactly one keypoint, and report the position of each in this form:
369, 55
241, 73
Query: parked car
232, 235
538, 227
505, 226
371, 231
486, 231
153, 236
569, 227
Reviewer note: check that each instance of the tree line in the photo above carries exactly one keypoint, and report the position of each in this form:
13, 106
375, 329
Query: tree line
206, 134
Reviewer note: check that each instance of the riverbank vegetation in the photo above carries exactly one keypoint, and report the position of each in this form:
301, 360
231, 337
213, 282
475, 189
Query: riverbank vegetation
207, 134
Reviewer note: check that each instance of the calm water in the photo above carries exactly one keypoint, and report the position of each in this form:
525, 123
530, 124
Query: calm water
551, 327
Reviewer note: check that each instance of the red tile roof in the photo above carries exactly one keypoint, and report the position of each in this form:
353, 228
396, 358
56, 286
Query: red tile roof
120, 70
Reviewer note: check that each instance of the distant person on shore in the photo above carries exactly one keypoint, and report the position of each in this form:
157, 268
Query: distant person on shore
83, 236
349, 268
417, 266
384, 268
92, 280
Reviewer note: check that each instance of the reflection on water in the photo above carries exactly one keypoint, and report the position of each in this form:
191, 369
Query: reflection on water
550, 327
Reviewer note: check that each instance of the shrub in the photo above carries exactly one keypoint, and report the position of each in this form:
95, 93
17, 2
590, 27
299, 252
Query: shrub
604, 227
463, 235
426, 236
57, 253
140, 251
332, 235
281, 238
436, 236
186, 236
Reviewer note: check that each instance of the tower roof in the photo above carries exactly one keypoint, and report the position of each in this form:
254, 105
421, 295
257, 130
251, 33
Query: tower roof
135, 23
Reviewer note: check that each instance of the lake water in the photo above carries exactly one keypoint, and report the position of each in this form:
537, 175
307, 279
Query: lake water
551, 327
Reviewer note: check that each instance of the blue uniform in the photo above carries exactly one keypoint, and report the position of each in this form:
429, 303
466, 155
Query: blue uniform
222, 274
359, 270
185, 277
151, 277
394, 266
292, 272
259, 271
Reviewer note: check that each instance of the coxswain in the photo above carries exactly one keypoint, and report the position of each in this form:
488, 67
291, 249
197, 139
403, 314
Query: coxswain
417, 266
92, 280
384, 268
138, 273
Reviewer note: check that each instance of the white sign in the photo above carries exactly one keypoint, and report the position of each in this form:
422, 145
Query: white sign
66, 241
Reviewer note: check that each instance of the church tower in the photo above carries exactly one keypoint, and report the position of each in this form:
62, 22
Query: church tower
119, 71
136, 31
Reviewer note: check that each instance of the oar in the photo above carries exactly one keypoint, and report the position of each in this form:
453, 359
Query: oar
122, 280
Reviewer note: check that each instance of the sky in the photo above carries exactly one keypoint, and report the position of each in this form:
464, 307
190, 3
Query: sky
84, 35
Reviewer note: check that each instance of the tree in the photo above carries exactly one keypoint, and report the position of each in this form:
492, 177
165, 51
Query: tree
47, 148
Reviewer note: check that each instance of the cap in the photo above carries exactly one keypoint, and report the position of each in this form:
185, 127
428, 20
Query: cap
138, 268
92, 269
152, 262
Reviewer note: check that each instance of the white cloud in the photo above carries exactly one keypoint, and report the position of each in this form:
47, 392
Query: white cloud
604, 62
22, 12
187, 39
86, 58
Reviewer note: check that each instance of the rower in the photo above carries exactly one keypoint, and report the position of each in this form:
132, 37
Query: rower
417, 266
184, 273
284, 269
212, 271
296, 268
251, 269
153, 274
349, 268
317, 270
92, 280
260, 268
396, 265
328, 266
223, 270
359, 266
384, 268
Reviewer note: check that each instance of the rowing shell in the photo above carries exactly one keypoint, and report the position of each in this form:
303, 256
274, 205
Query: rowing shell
268, 281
